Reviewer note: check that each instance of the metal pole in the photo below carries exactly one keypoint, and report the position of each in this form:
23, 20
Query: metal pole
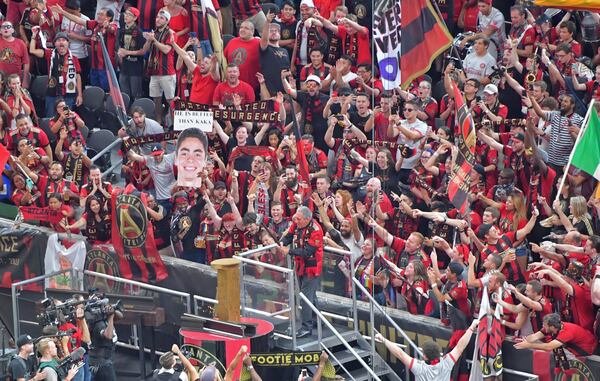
292, 301
337, 334
265, 265
353, 291
242, 290
16, 330
372, 330
331, 355
257, 250
392, 322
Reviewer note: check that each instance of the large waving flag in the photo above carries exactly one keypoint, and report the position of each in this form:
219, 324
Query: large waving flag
423, 34
487, 356
303, 171
460, 179
587, 152
113, 85
590, 5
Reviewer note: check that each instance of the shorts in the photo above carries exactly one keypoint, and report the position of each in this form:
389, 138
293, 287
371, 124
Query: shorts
160, 84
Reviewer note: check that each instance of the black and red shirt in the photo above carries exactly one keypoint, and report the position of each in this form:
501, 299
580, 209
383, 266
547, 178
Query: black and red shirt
244, 9
110, 38
575, 339
159, 63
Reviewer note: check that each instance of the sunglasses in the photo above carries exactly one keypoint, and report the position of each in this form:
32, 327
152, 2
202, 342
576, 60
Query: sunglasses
7, 26
409, 109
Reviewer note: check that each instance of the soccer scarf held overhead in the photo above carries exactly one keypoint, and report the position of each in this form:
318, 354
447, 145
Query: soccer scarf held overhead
313, 40
133, 237
68, 76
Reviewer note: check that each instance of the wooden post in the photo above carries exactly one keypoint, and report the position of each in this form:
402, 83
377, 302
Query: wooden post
228, 289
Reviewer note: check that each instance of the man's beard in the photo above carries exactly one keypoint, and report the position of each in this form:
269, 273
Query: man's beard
292, 183
346, 235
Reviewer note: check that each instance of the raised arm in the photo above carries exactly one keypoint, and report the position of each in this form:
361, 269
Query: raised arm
191, 65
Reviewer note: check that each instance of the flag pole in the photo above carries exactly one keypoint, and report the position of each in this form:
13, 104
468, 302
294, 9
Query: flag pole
581, 130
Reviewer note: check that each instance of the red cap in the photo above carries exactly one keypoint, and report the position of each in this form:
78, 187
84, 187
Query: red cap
134, 11
228, 217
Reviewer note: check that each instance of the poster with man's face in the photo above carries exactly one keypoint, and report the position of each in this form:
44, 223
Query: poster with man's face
190, 157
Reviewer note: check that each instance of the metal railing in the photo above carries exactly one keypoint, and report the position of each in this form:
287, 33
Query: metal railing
288, 273
15, 295
388, 318
106, 149
348, 255
321, 320
73, 272
331, 355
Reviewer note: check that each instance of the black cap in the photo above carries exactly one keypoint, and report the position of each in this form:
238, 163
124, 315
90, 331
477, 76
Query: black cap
73, 4
542, 19
61, 35
220, 185
24, 339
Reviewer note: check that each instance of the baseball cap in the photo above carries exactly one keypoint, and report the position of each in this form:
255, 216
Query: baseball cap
134, 11
519, 136
308, 3
164, 13
24, 339
314, 78
157, 150
61, 35
220, 185
543, 18
490, 89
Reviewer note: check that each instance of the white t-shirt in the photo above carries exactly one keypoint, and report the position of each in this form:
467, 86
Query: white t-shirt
346, 78
78, 48
111, 4
419, 126
438, 372
162, 175
496, 20
478, 67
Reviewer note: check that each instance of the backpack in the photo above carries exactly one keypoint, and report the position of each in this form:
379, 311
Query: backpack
6, 374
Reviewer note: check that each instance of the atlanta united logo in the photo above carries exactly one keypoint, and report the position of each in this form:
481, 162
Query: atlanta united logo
100, 261
578, 372
131, 220
202, 357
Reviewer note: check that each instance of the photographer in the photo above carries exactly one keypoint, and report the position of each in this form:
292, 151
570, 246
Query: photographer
22, 365
49, 365
79, 334
100, 317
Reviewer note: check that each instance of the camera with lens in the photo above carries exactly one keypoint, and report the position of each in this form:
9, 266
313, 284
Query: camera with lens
99, 308
56, 314
457, 63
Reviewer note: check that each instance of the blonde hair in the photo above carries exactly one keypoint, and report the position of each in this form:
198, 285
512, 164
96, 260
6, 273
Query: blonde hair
579, 207
519, 208
346, 196
44, 345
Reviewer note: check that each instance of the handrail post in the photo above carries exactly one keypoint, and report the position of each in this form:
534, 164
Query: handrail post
15, 305
372, 330
380, 308
292, 301
242, 290
331, 355
353, 294
337, 334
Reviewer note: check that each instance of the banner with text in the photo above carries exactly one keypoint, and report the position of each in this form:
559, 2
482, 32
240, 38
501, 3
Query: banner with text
256, 112
21, 256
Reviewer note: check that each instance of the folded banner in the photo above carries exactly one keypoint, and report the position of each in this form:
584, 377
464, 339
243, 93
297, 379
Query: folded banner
131, 141
133, 237
33, 213
260, 112
285, 358
58, 257
267, 152
21, 256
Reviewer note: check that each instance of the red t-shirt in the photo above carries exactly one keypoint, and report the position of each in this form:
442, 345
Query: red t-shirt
110, 38
576, 339
581, 306
37, 137
363, 46
14, 55
245, 55
203, 87
224, 93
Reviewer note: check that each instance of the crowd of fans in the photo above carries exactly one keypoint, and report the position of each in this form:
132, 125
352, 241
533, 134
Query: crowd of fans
380, 161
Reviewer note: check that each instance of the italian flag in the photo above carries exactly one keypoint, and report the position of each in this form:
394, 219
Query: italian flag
587, 153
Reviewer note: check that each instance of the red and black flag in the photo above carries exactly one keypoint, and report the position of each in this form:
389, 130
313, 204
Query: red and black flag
408, 34
133, 237
303, 170
487, 357
460, 179
113, 85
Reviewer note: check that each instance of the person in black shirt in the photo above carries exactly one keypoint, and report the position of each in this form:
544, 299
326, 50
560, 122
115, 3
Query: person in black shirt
22, 365
131, 54
273, 58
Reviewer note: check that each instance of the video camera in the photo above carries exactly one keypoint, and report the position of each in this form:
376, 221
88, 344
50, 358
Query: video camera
74, 358
57, 314
97, 307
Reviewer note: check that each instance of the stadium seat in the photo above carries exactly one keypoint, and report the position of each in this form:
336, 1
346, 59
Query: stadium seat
110, 121
37, 89
438, 91
146, 104
98, 140
93, 103
45, 126
226, 39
